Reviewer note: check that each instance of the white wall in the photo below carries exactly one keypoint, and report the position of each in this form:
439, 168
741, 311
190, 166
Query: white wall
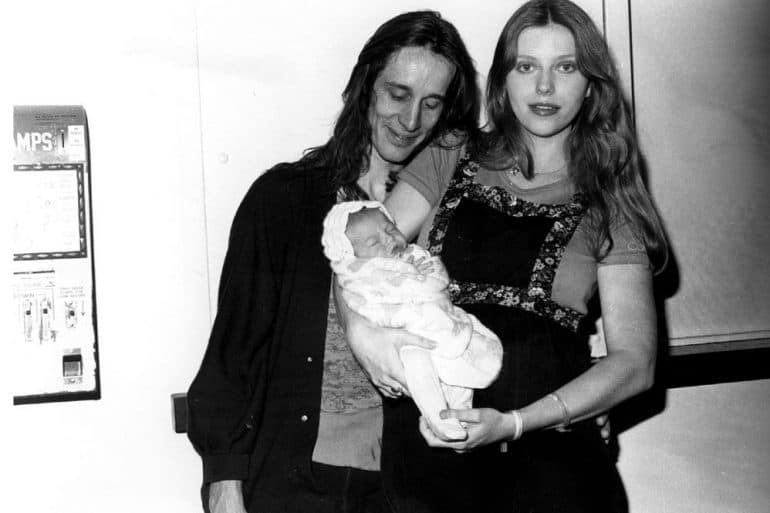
708, 452
702, 76
157, 144
701, 80
133, 66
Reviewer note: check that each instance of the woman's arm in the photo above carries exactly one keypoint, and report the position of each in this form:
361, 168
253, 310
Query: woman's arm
409, 209
630, 331
422, 183
628, 314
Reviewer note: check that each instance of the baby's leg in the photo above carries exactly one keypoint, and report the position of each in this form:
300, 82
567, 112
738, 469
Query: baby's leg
424, 385
441, 321
458, 398
479, 365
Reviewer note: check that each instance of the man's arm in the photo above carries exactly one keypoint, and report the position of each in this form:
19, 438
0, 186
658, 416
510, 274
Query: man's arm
377, 348
224, 407
226, 497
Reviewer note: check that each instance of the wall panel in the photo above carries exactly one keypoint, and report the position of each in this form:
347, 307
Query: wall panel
701, 78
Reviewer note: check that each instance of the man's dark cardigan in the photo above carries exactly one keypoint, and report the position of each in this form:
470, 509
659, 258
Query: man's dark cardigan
254, 404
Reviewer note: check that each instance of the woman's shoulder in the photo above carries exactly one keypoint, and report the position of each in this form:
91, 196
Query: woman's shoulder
430, 170
625, 246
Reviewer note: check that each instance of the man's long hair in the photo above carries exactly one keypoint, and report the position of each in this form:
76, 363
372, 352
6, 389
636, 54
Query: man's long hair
346, 154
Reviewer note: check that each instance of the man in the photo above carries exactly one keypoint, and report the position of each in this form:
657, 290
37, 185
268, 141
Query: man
280, 412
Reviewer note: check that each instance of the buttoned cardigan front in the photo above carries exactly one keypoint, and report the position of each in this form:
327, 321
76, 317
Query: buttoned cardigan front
253, 407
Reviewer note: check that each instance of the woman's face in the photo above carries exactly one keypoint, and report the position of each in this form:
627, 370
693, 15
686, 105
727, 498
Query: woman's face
545, 87
407, 101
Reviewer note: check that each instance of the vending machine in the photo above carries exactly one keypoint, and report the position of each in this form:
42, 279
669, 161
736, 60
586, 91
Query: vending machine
54, 341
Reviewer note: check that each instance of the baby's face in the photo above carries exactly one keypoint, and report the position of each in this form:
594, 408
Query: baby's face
372, 234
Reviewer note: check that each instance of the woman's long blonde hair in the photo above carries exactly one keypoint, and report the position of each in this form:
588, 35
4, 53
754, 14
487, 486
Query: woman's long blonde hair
602, 149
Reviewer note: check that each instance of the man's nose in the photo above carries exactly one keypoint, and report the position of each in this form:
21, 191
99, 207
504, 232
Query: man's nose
410, 116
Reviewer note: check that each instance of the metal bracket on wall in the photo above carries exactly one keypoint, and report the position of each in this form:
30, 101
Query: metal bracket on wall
179, 412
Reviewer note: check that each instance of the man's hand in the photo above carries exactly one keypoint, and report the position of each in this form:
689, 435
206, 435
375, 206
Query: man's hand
226, 497
377, 350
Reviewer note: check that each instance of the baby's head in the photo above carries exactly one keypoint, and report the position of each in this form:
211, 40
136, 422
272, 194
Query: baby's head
373, 234
362, 229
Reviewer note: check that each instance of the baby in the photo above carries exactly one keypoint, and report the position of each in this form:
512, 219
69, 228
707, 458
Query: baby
400, 285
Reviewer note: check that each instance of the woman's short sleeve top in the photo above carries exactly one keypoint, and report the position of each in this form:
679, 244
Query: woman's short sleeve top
575, 282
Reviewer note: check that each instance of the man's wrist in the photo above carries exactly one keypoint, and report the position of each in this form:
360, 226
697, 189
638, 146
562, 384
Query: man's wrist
226, 495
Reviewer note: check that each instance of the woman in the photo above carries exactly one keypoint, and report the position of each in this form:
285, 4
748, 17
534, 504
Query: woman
532, 219
282, 416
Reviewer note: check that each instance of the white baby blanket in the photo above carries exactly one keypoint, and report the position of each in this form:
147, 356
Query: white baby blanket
410, 293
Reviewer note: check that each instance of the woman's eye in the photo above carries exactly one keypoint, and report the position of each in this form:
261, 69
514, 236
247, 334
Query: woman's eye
432, 104
567, 67
399, 97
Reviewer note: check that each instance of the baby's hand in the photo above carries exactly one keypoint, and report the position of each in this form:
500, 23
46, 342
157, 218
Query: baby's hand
423, 264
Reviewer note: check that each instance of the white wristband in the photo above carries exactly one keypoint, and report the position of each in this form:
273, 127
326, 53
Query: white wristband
518, 424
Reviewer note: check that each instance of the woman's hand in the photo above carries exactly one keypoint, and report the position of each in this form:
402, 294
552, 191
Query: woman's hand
484, 426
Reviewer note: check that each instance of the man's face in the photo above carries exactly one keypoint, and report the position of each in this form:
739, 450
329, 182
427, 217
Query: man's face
407, 101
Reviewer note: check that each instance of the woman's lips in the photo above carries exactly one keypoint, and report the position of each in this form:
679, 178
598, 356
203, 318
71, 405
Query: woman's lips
543, 109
